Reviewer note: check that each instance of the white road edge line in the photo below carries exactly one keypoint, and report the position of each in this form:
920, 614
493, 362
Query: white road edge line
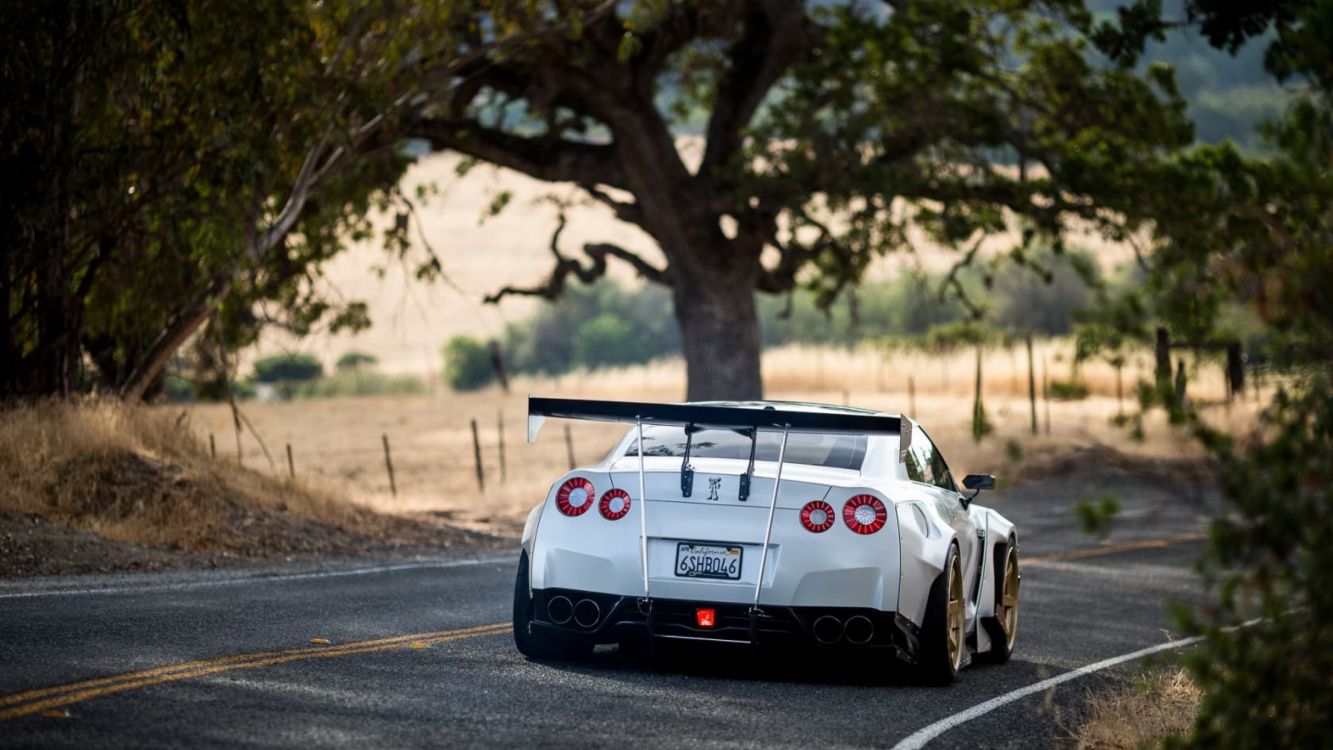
238, 580
920, 737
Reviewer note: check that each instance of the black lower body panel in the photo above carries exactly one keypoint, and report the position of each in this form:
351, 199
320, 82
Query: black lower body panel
611, 618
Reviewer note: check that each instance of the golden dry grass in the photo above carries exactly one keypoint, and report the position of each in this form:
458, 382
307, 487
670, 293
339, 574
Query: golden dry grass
430, 437
142, 476
1162, 704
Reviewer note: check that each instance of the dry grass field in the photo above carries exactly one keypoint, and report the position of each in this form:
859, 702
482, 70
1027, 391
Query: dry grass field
337, 443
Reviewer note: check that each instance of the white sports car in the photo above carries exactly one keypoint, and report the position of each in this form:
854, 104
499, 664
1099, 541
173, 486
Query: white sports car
766, 523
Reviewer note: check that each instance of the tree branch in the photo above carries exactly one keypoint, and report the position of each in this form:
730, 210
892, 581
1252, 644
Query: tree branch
561, 161
597, 253
776, 35
626, 212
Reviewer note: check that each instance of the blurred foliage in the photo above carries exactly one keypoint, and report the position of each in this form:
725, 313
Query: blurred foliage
1096, 516
359, 382
291, 367
355, 360
467, 364
1067, 390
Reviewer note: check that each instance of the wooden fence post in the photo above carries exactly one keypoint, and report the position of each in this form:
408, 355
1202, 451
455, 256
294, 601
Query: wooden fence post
1162, 354
236, 423
476, 456
1032, 386
500, 425
388, 464
291, 465
1046, 393
569, 447
911, 396
212, 446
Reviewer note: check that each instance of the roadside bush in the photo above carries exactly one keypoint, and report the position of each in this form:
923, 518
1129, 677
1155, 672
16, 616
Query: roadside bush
1266, 682
467, 364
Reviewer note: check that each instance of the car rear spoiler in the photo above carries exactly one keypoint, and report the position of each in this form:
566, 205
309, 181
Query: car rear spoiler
706, 416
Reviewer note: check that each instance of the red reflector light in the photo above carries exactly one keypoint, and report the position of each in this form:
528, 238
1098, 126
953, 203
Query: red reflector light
705, 618
865, 514
575, 496
615, 504
817, 516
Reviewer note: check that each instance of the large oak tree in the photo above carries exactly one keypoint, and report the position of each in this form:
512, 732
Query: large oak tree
830, 135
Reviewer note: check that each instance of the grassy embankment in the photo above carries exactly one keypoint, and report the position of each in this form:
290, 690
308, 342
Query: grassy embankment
143, 477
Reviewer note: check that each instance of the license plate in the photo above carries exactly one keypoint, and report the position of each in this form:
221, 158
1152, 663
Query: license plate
721, 561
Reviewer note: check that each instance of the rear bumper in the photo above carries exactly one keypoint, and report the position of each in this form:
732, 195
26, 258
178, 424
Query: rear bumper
609, 618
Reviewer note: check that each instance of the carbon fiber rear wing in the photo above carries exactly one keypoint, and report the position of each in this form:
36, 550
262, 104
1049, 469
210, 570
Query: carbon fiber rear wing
709, 416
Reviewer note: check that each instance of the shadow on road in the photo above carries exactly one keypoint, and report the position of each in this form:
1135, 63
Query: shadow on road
745, 663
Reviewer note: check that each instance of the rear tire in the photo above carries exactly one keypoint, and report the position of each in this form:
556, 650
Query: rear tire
944, 636
536, 644
1003, 627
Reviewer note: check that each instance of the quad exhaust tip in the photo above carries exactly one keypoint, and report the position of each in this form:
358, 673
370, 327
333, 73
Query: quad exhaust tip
587, 613
560, 609
828, 630
859, 630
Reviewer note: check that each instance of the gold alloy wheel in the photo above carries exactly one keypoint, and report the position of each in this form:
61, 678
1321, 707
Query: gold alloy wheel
957, 614
1007, 609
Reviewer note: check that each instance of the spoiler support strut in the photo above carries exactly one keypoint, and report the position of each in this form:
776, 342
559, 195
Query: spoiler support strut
768, 537
646, 604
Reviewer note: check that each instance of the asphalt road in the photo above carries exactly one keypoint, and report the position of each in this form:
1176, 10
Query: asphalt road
227, 659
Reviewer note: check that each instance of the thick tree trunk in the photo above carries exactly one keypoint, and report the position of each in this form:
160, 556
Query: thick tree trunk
719, 331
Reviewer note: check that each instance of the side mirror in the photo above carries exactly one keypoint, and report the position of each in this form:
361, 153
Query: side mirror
979, 482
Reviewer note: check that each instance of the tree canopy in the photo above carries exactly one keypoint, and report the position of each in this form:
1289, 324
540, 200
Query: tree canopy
830, 136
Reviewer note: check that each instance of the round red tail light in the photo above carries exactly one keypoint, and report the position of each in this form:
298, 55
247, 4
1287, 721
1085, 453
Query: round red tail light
575, 496
817, 516
865, 514
615, 504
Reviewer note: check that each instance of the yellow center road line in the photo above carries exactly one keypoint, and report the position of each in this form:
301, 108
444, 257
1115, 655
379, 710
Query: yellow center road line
233, 658
42, 699
1110, 549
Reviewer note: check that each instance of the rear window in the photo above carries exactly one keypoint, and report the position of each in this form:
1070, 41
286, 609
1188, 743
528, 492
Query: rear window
834, 451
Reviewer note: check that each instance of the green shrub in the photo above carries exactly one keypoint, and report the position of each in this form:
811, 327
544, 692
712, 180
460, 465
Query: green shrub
1095, 516
467, 364
607, 340
355, 360
292, 367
